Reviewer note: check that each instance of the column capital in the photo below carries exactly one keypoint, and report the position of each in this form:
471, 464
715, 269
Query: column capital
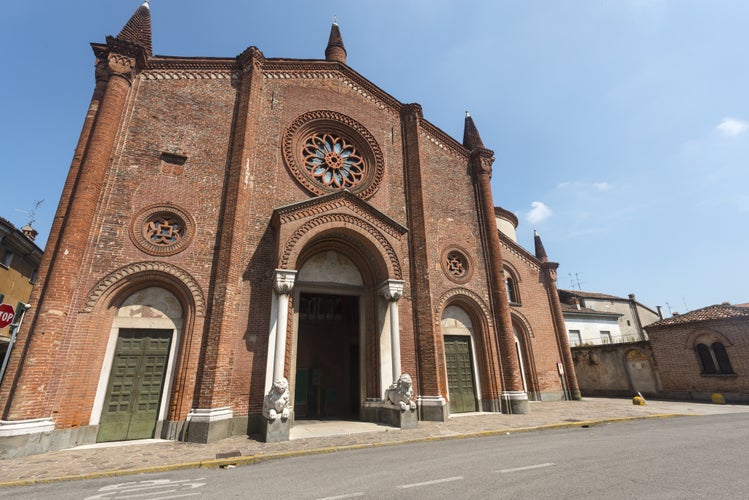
392, 290
482, 160
284, 280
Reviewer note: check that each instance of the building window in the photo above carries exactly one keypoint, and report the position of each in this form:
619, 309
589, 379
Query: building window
329, 152
605, 337
511, 285
511, 295
34, 276
713, 359
333, 161
575, 338
7, 259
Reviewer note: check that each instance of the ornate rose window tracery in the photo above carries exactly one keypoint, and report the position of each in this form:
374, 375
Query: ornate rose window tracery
333, 161
327, 151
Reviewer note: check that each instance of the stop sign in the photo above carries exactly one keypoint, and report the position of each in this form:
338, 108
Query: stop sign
6, 315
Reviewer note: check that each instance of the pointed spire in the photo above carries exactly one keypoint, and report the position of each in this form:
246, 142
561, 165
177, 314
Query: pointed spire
138, 28
335, 50
540, 250
471, 137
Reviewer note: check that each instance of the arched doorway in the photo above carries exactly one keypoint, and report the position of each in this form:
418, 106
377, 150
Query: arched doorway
328, 346
462, 383
640, 372
133, 390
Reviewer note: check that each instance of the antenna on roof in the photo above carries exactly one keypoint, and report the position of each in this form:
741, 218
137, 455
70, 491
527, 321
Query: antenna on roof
31, 213
575, 280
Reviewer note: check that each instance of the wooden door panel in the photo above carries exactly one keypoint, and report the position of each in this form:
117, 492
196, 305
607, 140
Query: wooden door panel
461, 391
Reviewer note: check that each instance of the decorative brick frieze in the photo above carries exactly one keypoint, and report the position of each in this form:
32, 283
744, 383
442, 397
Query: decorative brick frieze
443, 141
128, 272
461, 293
337, 201
347, 220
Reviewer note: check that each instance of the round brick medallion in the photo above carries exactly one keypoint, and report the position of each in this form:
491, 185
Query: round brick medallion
456, 265
162, 230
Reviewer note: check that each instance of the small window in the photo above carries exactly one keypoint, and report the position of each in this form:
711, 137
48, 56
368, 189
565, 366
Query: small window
511, 285
7, 258
34, 276
629, 323
575, 338
721, 358
511, 296
713, 359
605, 337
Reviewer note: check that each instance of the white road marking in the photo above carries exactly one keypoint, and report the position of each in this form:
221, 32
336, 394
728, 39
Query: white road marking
436, 481
530, 467
349, 495
141, 489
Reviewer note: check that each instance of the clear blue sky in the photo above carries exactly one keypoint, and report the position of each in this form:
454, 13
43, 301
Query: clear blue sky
620, 128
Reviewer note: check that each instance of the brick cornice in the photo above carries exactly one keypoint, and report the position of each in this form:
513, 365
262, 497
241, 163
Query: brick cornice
442, 140
520, 252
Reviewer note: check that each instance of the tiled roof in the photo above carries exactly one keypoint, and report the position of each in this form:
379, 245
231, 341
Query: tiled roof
709, 313
7, 223
573, 309
591, 295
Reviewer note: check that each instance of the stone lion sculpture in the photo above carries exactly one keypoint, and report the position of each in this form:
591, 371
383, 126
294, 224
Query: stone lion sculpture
401, 393
277, 400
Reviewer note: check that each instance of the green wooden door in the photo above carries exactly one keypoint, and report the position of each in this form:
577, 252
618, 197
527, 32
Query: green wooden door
459, 374
131, 407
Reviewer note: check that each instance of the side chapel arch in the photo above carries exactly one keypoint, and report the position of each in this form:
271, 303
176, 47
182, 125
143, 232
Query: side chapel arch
470, 304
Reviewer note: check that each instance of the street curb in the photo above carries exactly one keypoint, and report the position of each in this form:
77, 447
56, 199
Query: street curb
266, 457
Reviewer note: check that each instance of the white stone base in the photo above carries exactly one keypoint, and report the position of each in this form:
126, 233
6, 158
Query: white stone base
22, 427
209, 414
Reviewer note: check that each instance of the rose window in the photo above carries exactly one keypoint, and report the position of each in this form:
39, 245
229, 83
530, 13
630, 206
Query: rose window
333, 162
327, 152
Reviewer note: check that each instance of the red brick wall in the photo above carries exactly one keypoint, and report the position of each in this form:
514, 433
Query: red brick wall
231, 132
534, 313
679, 367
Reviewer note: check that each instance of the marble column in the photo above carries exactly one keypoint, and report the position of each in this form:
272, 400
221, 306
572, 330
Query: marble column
392, 290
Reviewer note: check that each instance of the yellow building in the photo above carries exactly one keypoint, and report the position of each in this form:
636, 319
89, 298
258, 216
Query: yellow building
19, 264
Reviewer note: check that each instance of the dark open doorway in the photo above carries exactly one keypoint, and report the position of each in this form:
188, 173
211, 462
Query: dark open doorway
327, 367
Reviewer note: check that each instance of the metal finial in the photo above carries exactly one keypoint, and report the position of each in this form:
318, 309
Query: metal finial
335, 20
468, 115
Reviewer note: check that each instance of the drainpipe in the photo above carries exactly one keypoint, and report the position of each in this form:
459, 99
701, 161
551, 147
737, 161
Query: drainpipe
636, 315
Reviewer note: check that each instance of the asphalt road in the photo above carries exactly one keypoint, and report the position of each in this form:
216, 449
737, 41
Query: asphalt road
687, 457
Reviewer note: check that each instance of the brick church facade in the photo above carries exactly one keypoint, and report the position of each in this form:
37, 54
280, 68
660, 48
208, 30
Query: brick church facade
229, 223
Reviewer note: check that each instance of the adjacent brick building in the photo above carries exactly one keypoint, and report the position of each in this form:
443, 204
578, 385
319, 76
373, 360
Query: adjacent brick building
229, 222
702, 352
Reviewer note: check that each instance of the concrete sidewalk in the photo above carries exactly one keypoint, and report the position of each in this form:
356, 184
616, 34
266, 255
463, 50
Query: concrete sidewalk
113, 459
